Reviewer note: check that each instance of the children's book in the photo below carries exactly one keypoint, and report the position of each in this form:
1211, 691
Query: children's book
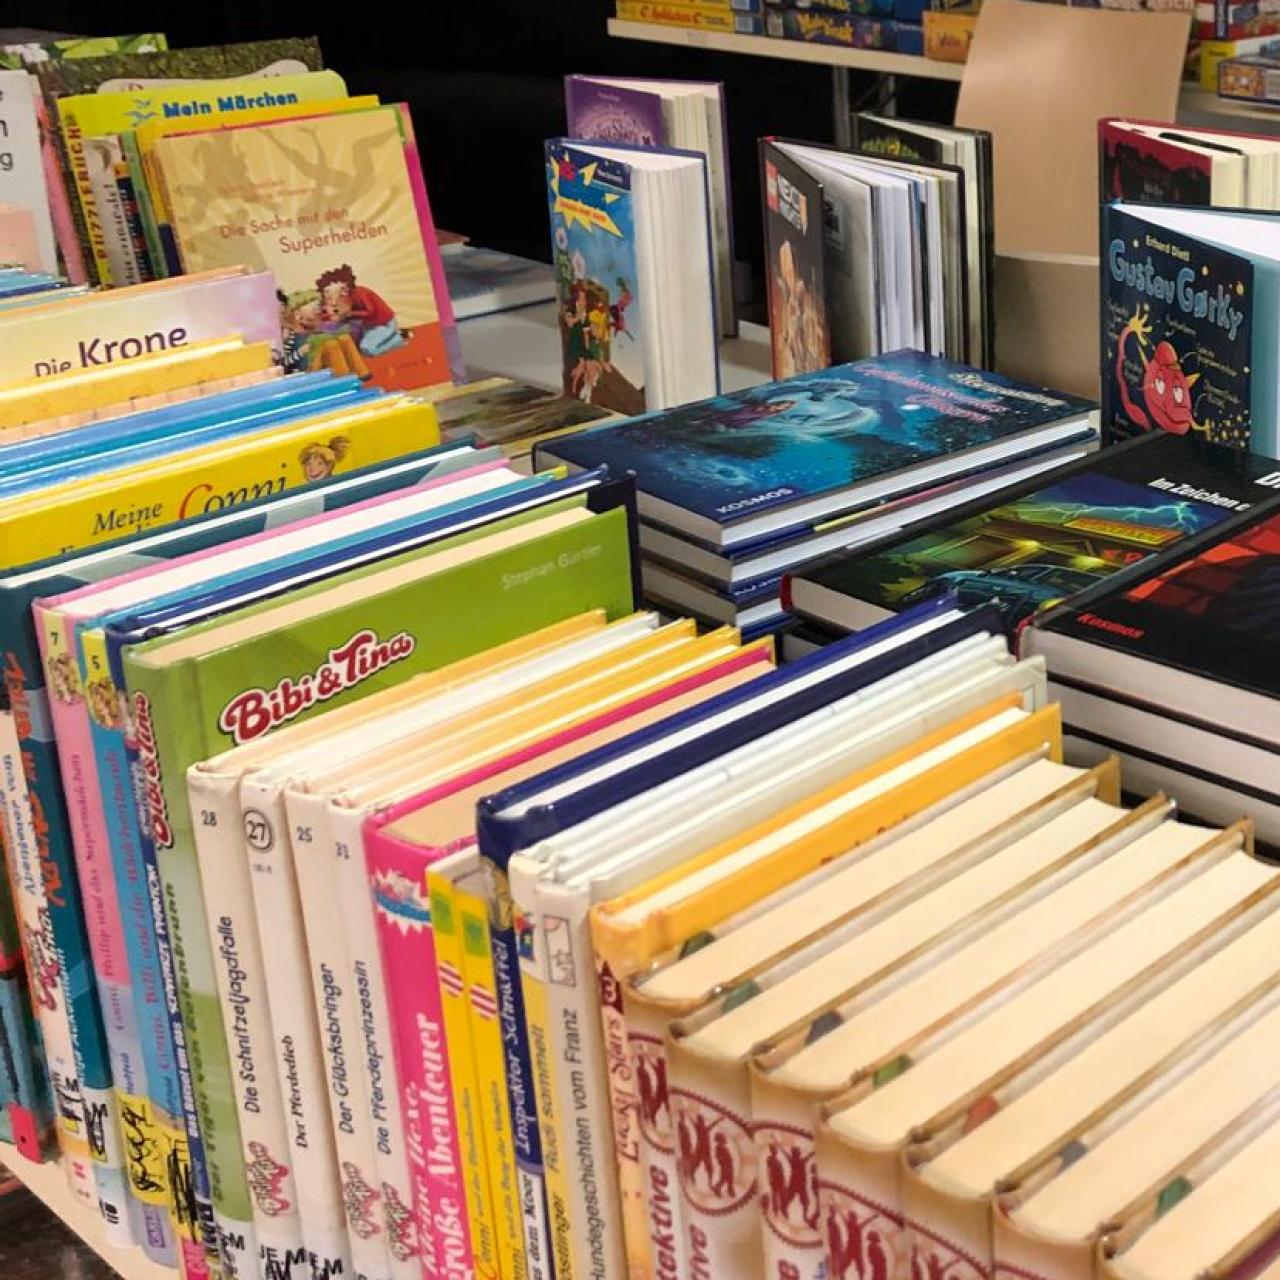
631, 245
776, 458
356, 262
686, 114
485, 281
22, 178
30, 53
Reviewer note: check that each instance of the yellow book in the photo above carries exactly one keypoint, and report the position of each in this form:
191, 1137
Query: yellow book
84, 513
73, 391
446, 927
91, 124
475, 899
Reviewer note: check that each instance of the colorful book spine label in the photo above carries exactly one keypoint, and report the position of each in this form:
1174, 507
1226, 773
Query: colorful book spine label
860, 1205
655, 1137
151, 966
712, 1105
397, 881
56, 942
582, 1077
491, 1079
346, 836
447, 928
70, 716
304, 1085
338, 1017
523, 874
43, 970
156, 701
246, 1020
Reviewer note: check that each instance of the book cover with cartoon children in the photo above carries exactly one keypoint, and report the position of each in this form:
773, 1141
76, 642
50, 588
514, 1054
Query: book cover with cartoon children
1177, 333
329, 205
593, 240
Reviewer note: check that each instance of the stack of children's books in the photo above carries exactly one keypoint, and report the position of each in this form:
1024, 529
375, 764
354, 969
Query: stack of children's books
885, 246
146, 165
738, 490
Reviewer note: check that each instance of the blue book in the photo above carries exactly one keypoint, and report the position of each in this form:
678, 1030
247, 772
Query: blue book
539, 807
25, 682
88, 451
741, 467
1190, 313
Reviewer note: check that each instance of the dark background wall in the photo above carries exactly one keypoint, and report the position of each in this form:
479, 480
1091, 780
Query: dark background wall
483, 78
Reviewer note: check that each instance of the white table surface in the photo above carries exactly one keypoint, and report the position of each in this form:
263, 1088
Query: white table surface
525, 345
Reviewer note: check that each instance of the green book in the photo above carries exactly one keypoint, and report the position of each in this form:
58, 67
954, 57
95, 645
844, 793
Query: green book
229, 681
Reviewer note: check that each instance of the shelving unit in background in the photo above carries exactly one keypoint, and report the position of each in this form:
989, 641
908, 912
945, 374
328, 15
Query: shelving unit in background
48, 1183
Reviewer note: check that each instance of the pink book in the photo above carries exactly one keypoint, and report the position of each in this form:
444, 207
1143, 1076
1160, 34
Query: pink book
64, 227
398, 865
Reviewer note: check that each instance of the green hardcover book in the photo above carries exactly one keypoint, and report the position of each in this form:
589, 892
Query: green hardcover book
225, 682
14, 57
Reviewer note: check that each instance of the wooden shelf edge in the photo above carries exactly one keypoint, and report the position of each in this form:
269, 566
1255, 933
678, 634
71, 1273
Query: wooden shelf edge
828, 55
48, 1183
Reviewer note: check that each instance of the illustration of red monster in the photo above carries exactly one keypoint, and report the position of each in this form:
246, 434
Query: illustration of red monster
1166, 389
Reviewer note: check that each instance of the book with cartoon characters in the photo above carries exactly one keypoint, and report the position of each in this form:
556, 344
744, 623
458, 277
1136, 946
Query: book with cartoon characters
1190, 301
631, 242
334, 206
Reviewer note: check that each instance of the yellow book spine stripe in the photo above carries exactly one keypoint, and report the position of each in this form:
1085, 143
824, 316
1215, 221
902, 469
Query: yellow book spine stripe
491, 1082
73, 140
144, 1150
462, 1075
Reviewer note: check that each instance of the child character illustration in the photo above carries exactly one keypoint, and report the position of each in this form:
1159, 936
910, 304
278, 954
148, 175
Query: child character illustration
104, 703
1166, 389
319, 461
366, 314
63, 678
311, 344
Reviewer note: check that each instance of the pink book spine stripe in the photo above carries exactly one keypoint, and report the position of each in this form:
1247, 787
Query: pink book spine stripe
296, 526
397, 879
64, 227
742, 659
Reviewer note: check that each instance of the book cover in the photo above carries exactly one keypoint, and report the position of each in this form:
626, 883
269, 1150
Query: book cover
29, 53
613, 113
755, 450
498, 411
594, 246
1027, 550
1137, 167
22, 177
484, 281
351, 256
1177, 333
794, 245
1215, 612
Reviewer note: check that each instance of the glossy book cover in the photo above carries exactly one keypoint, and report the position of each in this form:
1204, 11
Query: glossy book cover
740, 454
1177, 333
1027, 550
614, 112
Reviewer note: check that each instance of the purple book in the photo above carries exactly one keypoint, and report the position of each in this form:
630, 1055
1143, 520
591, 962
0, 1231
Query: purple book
614, 113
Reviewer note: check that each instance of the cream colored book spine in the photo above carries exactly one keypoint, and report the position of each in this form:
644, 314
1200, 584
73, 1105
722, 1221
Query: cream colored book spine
246, 1020
295, 1032
1021, 1255
523, 872
860, 1207
582, 1078
337, 1011
345, 839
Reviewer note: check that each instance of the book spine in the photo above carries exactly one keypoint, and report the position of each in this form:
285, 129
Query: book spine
446, 926
397, 881
537, 1015
64, 223
491, 1080
141, 1147
59, 934
655, 1138
102, 155
518, 1070
946, 1227
581, 1070
77, 167
324, 946
132, 217
246, 1021
711, 1101
1018, 1255
861, 1210
299, 1062
146, 211
782, 1129
43, 972
151, 966
163, 706
346, 839
26, 1109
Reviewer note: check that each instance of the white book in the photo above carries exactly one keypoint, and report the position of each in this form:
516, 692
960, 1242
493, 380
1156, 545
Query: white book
22, 180
246, 1018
